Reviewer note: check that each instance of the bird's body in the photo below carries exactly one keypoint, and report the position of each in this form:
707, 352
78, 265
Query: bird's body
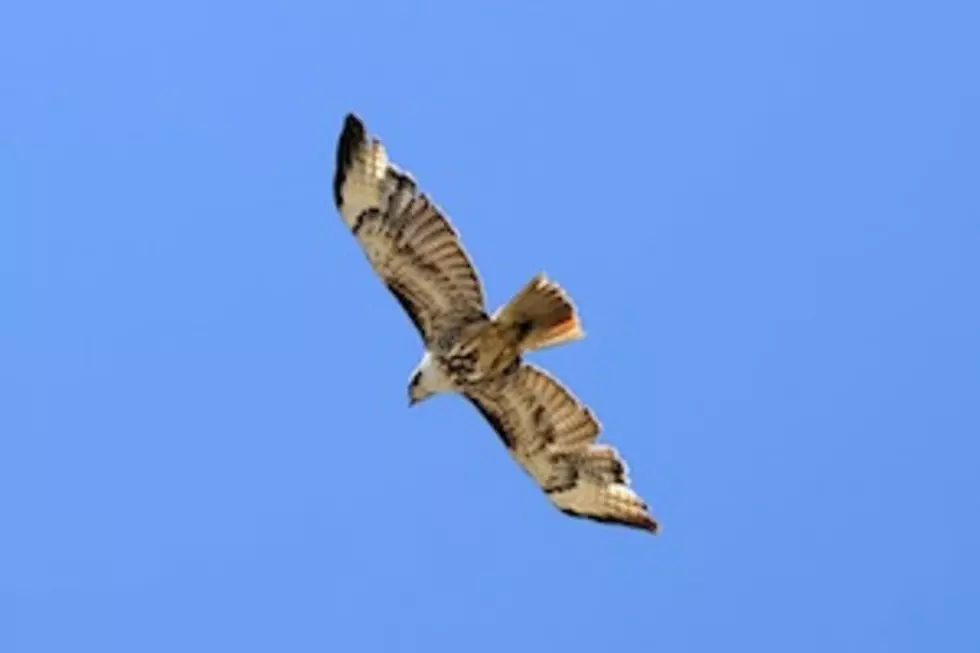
416, 252
474, 358
474, 353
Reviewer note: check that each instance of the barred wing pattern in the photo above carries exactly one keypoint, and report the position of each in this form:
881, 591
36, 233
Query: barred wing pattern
409, 242
551, 434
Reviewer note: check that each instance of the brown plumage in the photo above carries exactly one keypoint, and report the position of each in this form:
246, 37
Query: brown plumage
414, 249
542, 314
552, 436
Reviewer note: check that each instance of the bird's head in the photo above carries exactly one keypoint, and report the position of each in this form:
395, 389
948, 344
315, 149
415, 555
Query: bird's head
417, 392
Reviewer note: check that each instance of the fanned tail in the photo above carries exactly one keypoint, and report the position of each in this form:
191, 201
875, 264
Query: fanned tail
542, 315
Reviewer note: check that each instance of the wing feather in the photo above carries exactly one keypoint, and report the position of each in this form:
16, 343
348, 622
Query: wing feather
409, 241
552, 435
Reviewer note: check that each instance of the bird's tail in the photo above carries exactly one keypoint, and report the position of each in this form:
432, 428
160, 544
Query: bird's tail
541, 314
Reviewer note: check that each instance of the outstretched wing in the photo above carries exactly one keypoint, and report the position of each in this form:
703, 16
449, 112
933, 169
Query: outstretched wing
410, 243
551, 434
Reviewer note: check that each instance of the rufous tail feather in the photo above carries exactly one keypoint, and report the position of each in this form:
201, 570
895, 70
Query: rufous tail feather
542, 315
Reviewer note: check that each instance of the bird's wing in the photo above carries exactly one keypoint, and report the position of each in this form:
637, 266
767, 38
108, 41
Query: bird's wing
552, 435
410, 243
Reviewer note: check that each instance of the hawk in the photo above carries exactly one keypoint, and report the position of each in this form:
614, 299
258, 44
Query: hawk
414, 249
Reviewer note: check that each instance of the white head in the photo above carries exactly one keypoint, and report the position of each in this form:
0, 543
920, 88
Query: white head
426, 380
417, 392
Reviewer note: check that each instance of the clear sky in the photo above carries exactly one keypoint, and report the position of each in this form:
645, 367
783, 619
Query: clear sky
767, 212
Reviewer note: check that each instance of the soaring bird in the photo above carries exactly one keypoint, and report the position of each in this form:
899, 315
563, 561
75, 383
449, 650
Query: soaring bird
414, 249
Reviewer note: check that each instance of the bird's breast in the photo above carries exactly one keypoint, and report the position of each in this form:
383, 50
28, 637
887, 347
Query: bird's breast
485, 356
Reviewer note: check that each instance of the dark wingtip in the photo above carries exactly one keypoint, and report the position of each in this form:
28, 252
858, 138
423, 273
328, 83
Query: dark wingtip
352, 123
643, 523
352, 135
653, 526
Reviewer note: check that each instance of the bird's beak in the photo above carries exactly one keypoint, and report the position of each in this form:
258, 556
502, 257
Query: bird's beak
412, 401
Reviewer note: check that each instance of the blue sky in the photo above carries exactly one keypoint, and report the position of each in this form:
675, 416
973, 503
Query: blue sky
767, 212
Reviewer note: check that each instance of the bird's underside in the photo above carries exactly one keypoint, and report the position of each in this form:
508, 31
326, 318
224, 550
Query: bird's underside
418, 255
